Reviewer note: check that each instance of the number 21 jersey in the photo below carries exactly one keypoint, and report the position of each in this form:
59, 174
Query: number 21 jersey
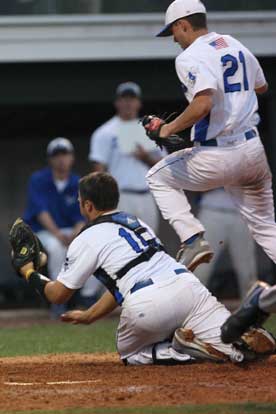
225, 66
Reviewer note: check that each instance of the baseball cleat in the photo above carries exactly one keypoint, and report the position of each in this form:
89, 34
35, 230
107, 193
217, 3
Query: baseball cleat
184, 341
192, 255
248, 314
260, 341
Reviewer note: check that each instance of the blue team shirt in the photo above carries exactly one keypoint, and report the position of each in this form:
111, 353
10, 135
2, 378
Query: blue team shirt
43, 196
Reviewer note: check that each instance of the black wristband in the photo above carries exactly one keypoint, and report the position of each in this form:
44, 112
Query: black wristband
38, 283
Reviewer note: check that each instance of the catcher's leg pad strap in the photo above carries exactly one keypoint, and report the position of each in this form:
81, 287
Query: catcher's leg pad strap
38, 283
184, 341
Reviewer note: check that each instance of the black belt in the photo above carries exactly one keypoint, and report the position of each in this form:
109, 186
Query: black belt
131, 191
144, 257
214, 141
149, 282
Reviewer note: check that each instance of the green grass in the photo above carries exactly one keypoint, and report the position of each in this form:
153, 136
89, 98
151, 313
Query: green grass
250, 408
58, 338
61, 338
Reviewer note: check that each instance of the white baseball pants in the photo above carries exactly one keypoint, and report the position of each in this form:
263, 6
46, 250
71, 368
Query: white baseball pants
241, 169
56, 257
151, 315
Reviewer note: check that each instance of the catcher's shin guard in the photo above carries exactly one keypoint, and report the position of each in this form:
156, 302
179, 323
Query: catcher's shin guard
184, 341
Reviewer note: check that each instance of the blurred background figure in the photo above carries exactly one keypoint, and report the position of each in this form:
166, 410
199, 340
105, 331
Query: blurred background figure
225, 229
52, 207
121, 147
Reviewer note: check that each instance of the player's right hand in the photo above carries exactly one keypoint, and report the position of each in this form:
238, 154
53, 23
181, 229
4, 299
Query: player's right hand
76, 317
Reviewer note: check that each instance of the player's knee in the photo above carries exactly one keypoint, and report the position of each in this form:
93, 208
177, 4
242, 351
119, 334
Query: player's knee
154, 180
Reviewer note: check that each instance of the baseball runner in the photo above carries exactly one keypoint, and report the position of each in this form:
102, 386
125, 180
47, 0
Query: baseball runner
220, 78
167, 316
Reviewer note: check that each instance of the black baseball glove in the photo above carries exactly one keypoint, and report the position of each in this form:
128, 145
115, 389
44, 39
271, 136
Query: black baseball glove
26, 247
153, 125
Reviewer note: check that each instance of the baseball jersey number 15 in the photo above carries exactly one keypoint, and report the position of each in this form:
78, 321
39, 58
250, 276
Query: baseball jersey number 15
231, 71
135, 246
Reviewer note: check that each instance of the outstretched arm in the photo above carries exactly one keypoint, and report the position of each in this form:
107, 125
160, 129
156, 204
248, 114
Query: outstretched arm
103, 307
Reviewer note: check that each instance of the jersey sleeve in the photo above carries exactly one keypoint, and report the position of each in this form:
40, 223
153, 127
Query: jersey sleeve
260, 77
100, 148
194, 76
79, 265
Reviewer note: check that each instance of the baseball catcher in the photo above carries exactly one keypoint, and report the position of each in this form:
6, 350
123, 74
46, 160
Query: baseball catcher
167, 317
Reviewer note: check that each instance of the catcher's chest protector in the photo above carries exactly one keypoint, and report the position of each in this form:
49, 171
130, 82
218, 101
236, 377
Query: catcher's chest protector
131, 223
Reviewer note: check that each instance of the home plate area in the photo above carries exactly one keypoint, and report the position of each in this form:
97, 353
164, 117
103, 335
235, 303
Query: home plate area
101, 380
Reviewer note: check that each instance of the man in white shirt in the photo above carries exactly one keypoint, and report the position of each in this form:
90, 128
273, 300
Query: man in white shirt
225, 230
121, 147
221, 79
167, 316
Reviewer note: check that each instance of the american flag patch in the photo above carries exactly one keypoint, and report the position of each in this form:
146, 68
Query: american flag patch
219, 43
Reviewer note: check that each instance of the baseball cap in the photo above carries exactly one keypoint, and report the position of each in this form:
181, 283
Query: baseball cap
178, 9
129, 89
59, 145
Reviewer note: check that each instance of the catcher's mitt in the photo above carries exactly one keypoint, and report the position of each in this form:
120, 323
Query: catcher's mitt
26, 247
153, 125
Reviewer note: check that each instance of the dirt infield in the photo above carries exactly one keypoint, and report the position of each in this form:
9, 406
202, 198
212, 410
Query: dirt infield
100, 380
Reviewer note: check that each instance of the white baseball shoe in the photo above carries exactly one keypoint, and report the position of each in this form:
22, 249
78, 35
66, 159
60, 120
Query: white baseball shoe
184, 341
192, 255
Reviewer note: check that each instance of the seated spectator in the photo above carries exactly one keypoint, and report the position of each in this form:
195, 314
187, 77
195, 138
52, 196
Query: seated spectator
52, 206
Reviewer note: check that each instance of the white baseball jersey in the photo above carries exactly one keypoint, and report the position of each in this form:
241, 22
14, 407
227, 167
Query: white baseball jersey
110, 246
150, 314
114, 143
223, 64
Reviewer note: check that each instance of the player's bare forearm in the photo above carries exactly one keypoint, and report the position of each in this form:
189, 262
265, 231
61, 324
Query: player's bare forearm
262, 89
198, 109
105, 305
56, 292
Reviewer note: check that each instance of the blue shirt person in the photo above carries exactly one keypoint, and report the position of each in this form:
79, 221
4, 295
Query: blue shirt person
52, 206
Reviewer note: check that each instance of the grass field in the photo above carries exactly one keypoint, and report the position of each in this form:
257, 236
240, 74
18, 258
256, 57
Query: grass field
100, 337
189, 409
60, 338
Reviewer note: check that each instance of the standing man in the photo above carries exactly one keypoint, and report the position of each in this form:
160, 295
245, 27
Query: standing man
121, 147
167, 316
52, 206
225, 229
220, 78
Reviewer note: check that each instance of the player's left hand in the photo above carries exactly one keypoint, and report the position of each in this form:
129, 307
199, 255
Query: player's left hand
27, 252
155, 127
76, 317
158, 130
